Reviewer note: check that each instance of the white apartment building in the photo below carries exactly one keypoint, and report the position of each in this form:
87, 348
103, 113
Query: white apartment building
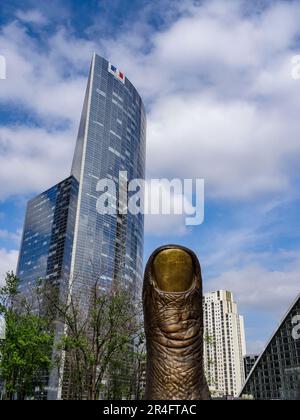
224, 344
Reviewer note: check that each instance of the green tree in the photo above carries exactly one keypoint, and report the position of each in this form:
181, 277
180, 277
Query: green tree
92, 337
98, 331
126, 371
26, 348
210, 364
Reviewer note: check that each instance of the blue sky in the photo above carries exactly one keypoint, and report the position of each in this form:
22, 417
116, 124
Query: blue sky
222, 105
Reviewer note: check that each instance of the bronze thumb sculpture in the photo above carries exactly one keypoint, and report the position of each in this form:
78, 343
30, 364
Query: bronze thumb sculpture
173, 313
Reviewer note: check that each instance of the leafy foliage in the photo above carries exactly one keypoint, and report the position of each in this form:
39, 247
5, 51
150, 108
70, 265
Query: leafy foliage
93, 339
96, 351
26, 349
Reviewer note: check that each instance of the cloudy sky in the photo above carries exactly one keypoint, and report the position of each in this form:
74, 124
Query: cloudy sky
222, 105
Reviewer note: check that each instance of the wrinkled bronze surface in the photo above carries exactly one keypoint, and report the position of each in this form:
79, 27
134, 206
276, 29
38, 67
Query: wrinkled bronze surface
173, 313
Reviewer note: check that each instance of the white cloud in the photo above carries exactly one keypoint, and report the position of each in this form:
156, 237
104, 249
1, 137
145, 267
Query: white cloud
33, 159
161, 225
8, 262
227, 144
12, 236
263, 284
44, 81
168, 196
49, 83
217, 83
31, 16
258, 288
221, 98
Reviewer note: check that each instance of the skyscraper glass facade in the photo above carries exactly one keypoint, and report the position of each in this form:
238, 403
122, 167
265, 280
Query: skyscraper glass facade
249, 362
65, 234
65, 239
276, 374
111, 139
47, 242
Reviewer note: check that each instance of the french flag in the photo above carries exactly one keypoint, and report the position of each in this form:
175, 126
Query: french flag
116, 72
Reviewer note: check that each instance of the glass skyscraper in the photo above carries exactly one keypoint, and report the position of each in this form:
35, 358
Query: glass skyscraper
276, 373
48, 235
111, 139
65, 239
